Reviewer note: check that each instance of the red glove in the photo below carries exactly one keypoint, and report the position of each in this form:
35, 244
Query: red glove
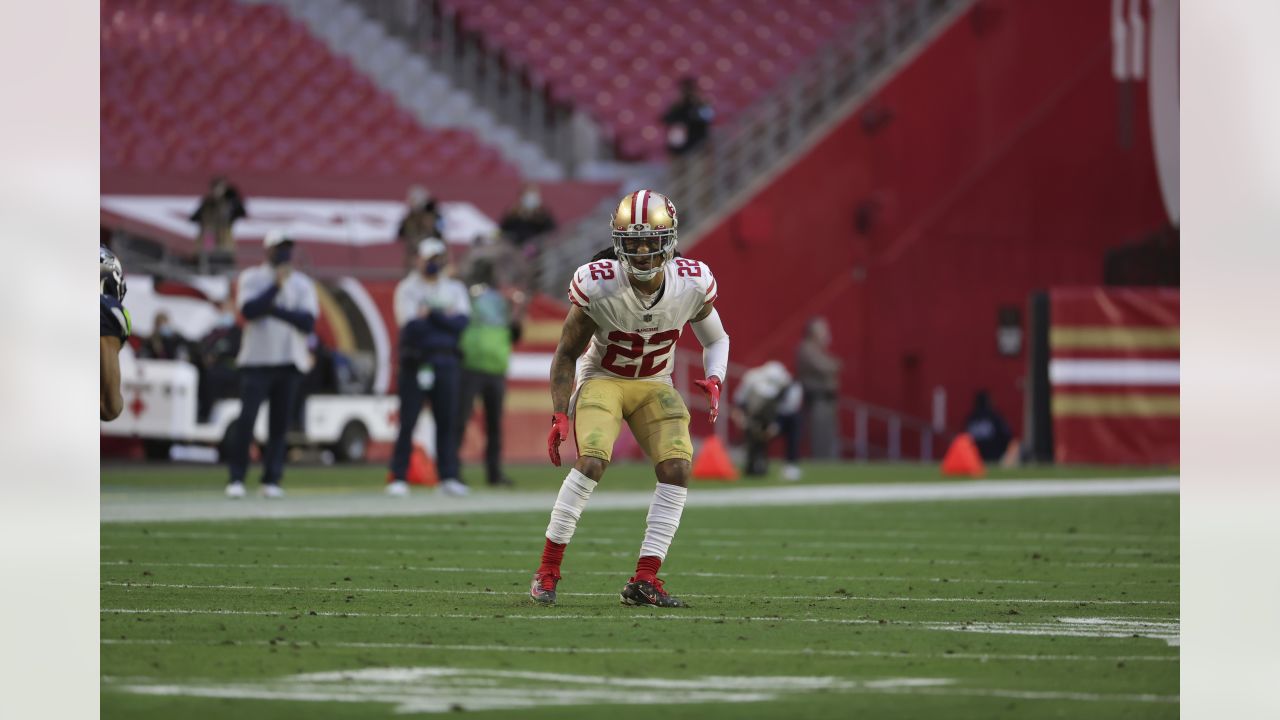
559, 433
711, 386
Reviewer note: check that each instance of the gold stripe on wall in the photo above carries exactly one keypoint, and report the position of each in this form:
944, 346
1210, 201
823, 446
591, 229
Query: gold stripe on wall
1083, 405
542, 331
1113, 338
343, 338
527, 400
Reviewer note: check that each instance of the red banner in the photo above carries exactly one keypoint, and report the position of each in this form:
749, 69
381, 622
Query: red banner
1114, 375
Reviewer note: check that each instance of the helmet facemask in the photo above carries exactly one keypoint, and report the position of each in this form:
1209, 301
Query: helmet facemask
110, 274
659, 247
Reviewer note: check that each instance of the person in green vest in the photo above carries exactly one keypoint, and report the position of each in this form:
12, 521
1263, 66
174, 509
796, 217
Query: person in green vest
486, 351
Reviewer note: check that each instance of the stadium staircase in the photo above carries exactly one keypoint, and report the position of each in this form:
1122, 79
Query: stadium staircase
204, 85
824, 88
405, 74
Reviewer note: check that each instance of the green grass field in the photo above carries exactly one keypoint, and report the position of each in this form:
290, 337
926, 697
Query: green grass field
1055, 607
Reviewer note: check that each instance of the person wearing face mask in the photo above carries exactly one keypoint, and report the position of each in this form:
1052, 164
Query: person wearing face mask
432, 309
422, 218
165, 343
528, 219
216, 361
819, 374
280, 307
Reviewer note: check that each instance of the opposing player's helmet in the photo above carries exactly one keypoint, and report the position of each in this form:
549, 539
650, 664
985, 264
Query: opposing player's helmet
110, 274
644, 220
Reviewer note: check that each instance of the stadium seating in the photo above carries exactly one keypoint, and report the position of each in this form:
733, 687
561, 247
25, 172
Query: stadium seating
196, 85
621, 62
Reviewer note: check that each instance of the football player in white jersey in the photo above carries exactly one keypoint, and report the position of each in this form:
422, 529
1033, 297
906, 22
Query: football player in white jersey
628, 311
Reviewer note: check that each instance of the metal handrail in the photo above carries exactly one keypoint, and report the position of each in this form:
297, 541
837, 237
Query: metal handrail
764, 135
770, 130
855, 438
515, 95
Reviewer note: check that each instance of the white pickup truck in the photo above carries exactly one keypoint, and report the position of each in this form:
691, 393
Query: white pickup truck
160, 405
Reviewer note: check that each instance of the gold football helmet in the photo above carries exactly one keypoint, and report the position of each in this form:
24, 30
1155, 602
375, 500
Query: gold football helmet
644, 232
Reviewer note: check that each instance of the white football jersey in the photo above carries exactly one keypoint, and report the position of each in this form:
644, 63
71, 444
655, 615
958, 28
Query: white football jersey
633, 341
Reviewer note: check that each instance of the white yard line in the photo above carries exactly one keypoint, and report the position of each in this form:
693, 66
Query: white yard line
1113, 627
569, 650
415, 553
445, 526
143, 564
158, 507
442, 591
249, 539
442, 689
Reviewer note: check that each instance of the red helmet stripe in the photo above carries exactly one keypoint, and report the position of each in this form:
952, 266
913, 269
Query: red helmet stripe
644, 211
634, 197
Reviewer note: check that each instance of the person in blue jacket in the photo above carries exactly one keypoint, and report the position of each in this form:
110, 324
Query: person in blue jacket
279, 306
432, 309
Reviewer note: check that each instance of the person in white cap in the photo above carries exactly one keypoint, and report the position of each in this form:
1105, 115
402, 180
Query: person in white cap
432, 310
280, 307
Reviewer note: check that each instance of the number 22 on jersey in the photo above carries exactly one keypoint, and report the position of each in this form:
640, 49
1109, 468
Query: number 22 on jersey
619, 359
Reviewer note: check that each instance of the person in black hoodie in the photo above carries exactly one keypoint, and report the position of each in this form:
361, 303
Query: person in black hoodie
988, 429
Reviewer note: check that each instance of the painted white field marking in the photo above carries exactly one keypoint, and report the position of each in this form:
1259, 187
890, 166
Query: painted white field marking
525, 571
940, 546
400, 552
432, 527
1081, 627
249, 539
170, 507
556, 650
1123, 628
1046, 695
441, 689
443, 591
429, 526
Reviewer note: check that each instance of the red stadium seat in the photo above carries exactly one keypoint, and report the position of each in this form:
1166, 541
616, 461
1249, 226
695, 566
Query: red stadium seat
198, 84
592, 48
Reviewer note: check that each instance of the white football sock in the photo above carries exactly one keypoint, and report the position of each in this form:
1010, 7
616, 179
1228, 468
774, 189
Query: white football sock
664, 518
574, 493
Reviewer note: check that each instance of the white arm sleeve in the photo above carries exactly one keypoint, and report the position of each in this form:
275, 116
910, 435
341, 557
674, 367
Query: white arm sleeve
715, 344
406, 306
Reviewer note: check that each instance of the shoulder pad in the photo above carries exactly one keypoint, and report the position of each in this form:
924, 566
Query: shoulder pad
699, 274
114, 319
707, 282
592, 281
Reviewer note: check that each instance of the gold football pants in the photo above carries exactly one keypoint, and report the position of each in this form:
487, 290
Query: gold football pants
654, 411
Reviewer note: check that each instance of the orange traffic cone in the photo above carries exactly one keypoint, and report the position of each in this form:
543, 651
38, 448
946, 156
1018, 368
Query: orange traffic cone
712, 462
422, 470
962, 459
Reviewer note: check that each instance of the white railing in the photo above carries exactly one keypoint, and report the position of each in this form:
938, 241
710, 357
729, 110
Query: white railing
817, 93
516, 96
867, 431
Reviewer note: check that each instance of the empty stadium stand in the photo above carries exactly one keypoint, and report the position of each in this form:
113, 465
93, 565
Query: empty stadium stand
212, 85
622, 62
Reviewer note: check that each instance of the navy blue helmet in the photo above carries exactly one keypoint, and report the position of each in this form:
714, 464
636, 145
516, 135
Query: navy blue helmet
110, 274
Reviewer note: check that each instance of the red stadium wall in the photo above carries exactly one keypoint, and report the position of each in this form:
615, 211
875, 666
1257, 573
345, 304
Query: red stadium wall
992, 165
